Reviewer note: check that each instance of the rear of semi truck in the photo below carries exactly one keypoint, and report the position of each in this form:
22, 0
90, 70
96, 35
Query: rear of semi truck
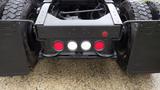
127, 30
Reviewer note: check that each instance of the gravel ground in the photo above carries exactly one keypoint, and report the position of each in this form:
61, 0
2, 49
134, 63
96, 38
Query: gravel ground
80, 75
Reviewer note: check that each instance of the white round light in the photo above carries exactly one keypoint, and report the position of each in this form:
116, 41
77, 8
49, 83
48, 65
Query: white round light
86, 45
72, 46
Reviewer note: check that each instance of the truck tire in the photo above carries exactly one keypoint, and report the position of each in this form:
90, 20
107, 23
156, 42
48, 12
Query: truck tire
155, 9
130, 10
2, 4
21, 9
17, 9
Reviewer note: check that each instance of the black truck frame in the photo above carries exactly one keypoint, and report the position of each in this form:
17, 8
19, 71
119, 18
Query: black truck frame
81, 29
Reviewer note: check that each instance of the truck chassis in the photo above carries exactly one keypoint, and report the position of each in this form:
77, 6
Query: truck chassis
126, 30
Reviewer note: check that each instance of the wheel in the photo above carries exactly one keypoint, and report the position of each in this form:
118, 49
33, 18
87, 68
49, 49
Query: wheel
24, 9
130, 10
17, 9
155, 9
2, 4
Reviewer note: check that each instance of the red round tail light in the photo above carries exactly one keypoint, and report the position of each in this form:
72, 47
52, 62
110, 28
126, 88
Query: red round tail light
99, 45
58, 45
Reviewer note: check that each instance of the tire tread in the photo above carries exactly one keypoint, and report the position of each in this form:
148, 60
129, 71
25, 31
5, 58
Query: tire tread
14, 9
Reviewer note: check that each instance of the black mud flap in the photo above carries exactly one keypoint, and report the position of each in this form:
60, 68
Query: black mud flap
145, 53
14, 59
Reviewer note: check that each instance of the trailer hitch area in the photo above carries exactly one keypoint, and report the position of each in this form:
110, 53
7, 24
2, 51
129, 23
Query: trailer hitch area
145, 56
